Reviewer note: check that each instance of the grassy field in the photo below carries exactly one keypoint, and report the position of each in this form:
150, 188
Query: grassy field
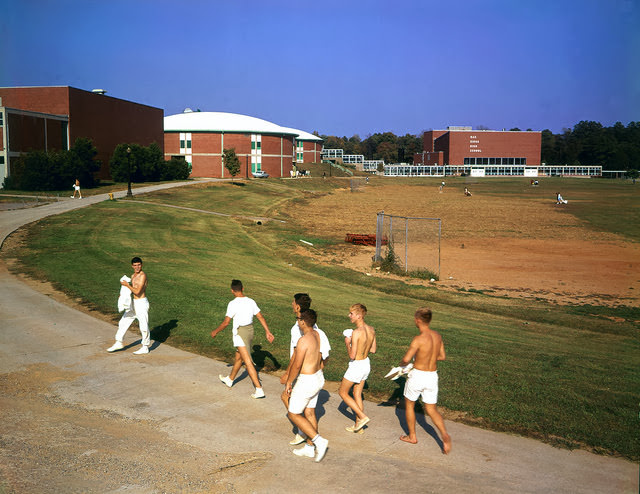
561, 374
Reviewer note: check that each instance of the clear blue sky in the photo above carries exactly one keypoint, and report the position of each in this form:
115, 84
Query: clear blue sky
340, 67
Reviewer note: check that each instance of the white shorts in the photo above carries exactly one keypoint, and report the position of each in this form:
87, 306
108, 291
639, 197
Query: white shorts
423, 383
305, 392
358, 370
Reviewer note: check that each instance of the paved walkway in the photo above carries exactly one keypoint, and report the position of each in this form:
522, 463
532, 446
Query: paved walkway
179, 394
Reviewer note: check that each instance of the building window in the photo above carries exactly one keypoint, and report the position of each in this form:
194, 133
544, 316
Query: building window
185, 142
1, 118
256, 152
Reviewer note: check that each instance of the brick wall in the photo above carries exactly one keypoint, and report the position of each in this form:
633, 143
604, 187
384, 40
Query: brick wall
494, 144
105, 120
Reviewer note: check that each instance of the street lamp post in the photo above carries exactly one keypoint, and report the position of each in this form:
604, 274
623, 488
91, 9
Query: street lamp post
129, 194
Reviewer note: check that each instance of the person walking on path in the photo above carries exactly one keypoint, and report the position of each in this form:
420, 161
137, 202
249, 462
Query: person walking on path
302, 302
241, 310
359, 342
307, 373
76, 189
139, 310
426, 348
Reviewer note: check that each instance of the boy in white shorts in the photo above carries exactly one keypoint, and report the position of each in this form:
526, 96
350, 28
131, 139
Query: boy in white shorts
302, 302
360, 342
426, 348
242, 309
306, 371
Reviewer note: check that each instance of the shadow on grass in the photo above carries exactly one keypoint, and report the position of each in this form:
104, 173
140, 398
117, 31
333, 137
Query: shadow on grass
259, 357
161, 333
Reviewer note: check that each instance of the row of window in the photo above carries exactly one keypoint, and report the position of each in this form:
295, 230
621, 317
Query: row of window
495, 161
495, 171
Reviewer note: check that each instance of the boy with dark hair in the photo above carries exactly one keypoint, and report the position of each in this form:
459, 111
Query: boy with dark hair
242, 309
306, 371
302, 302
138, 310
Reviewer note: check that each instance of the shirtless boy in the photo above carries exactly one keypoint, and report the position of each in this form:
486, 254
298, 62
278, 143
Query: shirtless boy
426, 348
360, 343
306, 371
139, 310
242, 309
302, 302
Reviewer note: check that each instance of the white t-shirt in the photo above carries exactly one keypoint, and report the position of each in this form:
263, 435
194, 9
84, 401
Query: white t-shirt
242, 310
296, 334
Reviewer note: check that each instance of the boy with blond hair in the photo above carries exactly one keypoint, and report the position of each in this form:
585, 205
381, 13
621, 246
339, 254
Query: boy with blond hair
359, 342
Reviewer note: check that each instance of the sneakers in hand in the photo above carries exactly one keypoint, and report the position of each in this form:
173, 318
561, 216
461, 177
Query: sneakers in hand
142, 350
307, 451
118, 345
258, 394
226, 380
321, 447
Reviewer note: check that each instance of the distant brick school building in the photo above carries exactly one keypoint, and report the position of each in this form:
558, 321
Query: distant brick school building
201, 137
460, 146
52, 118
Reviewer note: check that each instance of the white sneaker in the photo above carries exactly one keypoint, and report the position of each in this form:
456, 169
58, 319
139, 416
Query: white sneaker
307, 451
118, 345
226, 380
321, 447
258, 394
142, 350
300, 438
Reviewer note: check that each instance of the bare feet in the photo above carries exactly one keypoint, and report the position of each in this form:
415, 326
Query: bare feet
407, 439
446, 444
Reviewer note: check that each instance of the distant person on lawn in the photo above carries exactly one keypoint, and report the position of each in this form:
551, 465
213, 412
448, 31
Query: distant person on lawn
426, 348
139, 310
242, 309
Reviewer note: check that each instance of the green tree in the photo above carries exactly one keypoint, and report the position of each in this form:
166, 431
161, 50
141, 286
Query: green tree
124, 162
175, 169
82, 162
231, 161
387, 151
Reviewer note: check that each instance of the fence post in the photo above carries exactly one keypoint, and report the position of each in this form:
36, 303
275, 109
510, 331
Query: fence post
379, 232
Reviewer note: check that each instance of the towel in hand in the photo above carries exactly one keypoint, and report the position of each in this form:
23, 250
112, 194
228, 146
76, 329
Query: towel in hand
396, 372
124, 301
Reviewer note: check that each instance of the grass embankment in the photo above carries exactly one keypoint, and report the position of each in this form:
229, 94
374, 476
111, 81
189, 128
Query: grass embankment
557, 373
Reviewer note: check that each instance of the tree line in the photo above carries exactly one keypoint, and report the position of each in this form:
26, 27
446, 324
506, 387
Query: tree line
588, 143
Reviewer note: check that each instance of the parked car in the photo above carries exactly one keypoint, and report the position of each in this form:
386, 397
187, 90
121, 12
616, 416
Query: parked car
260, 174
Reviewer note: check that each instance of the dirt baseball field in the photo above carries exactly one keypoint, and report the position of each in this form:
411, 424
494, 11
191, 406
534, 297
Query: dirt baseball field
521, 247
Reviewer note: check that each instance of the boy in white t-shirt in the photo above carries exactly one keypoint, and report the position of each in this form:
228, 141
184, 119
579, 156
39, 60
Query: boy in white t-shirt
242, 309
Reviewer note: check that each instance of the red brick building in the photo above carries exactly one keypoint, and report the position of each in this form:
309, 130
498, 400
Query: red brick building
53, 117
308, 147
201, 138
458, 146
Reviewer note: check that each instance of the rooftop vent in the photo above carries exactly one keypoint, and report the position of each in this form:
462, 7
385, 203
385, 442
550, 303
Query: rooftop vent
99, 91
187, 110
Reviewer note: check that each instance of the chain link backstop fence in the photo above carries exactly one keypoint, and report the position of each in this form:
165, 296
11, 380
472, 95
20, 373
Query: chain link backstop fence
412, 244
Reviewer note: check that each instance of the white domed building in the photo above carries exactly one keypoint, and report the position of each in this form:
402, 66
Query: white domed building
201, 138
